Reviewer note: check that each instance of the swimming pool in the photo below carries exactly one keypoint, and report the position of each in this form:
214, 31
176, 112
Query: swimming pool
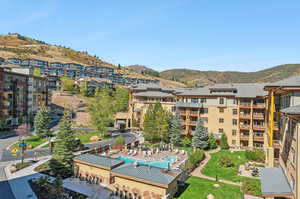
161, 164
170, 159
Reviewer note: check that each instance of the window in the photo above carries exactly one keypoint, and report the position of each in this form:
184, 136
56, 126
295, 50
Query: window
234, 111
234, 101
234, 122
234, 132
221, 101
233, 142
203, 100
221, 120
204, 110
204, 119
221, 130
173, 108
194, 100
221, 110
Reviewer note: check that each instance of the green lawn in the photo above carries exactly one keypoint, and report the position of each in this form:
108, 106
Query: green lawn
213, 168
199, 188
85, 138
34, 141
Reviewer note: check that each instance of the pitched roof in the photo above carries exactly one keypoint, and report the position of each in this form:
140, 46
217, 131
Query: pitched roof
98, 160
293, 110
149, 173
238, 90
153, 94
273, 181
291, 81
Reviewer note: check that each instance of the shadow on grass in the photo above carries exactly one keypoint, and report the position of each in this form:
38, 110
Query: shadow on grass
181, 189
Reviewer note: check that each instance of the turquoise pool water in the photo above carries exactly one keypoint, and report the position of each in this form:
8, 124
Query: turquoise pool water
171, 159
162, 164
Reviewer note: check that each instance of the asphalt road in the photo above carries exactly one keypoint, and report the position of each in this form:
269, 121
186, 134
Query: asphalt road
5, 191
7, 156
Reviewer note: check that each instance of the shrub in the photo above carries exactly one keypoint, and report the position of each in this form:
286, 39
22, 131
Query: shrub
23, 165
194, 159
226, 161
120, 140
252, 187
257, 155
212, 142
224, 143
186, 142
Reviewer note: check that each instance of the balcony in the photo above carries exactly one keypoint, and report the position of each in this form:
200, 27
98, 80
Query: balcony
195, 113
258, 116
245, 105
259, 127
189, 105
276, 143
193, 123
182, 112
244, 137
244, 126
259, 105
245, 116
276, 127
258, 138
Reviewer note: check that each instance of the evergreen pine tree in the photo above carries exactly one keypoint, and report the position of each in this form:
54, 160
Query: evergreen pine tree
175, 131
41, 123
200, 137
64, 146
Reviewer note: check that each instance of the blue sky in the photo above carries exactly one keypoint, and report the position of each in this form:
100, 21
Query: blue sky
163, 34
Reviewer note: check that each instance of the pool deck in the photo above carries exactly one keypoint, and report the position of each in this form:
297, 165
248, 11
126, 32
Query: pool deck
155, 157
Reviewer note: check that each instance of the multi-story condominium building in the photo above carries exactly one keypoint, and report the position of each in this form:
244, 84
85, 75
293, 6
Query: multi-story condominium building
143, 95
2, 60
283, 116
74, 70
92, 83
236, 110
37, 90
13, 95
14, 60
34, 63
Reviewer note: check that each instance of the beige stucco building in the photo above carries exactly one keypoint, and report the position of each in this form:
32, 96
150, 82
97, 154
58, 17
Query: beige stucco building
128, 179
283, 117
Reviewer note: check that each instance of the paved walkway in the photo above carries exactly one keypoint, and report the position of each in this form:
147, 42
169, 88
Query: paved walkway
18, 181
198, 171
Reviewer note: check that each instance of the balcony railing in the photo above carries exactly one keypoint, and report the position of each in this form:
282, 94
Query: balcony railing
258, 138
193, 112
245, 116
258, 116
244, 126
259, 127
194, 123
276, 127
276, 143
245, 105
188, 104
244, 137
259, 105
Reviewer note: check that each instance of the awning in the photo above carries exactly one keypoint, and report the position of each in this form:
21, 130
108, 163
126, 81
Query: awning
274, 183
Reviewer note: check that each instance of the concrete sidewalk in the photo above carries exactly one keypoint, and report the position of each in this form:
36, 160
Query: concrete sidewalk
18, 181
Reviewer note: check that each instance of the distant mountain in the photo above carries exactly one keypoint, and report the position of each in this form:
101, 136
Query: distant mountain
196, 77
19, 46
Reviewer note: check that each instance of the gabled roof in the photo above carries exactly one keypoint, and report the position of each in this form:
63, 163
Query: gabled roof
153, 94
293, 110
238, 90
98, 160
291, 81
148, 173
274, 181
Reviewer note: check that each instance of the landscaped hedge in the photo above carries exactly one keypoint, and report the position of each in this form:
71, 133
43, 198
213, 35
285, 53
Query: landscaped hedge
257, 155
194, 159
251, 186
